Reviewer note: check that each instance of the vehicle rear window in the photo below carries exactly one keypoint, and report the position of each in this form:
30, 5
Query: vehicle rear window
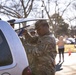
5, 54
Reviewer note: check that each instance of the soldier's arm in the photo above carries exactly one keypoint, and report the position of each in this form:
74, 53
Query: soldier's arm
30, 39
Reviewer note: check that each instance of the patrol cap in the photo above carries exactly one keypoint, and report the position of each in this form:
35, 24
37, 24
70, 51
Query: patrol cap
41, 23
11, 21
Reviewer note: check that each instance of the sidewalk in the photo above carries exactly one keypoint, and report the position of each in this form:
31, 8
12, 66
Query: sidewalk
68, 67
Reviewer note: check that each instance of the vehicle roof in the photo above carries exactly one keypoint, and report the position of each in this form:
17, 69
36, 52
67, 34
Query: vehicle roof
21, 20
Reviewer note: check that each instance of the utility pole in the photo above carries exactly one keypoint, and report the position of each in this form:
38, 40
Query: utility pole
48, 5
42, 9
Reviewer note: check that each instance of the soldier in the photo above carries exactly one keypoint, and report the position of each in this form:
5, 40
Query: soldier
45, 51
11, 22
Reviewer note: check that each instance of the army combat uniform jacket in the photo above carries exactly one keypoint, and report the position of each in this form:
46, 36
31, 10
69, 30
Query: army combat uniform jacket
44, 54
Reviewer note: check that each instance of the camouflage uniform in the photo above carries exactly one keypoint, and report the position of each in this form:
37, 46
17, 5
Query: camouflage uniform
28, 48
43, 55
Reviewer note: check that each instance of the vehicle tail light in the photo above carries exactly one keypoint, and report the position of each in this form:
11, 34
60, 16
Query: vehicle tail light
27, 71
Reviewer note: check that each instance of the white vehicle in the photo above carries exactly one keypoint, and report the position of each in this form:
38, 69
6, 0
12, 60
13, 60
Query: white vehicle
13, 58
72, 40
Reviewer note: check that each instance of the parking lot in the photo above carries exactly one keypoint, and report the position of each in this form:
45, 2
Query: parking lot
68, 67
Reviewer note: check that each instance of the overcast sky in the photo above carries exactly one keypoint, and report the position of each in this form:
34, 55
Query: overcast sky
62, 4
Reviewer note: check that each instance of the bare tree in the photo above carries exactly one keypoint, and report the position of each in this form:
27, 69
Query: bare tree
54, 20
16, 8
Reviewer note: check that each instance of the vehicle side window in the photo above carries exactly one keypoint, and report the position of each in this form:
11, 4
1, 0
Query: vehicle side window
5, 54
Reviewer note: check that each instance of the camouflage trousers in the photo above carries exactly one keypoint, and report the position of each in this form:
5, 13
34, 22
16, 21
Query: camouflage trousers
39, 65
41, 68
42, 71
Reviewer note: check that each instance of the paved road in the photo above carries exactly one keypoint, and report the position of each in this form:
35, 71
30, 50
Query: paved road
68, 67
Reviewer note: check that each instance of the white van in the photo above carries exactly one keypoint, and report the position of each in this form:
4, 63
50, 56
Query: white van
13, 58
